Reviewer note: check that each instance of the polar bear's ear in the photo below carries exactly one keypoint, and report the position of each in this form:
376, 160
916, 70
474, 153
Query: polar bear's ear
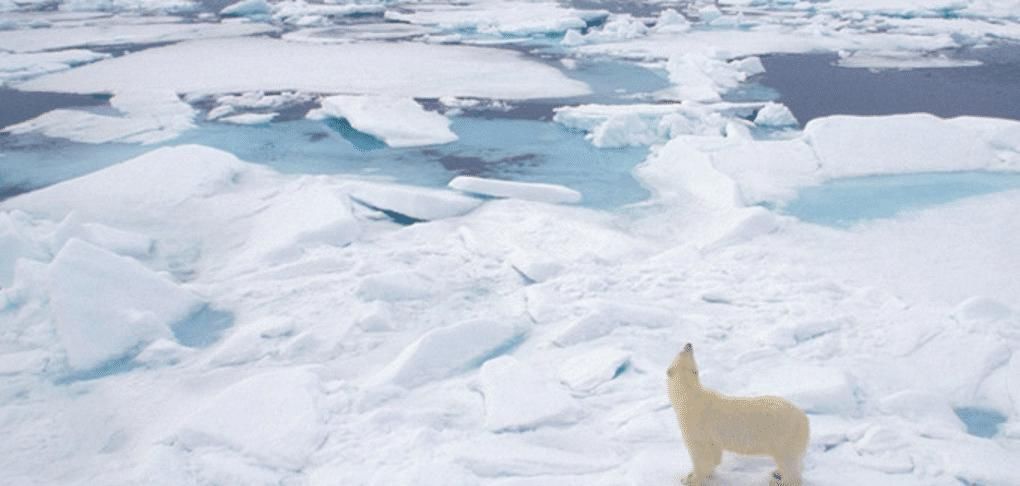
688, 348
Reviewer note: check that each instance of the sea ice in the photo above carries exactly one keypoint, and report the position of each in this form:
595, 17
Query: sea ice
399, 122
417, 203
109, 33
105, 306
273, 416
249, 118
148, 117
497, 17
529, 191
518, 398
19, 66
604, 317
254, 64
448, 350
775, 115
611, 126
301, 218
587, 371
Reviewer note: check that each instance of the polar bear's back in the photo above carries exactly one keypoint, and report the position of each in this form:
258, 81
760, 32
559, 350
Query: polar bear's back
757, 425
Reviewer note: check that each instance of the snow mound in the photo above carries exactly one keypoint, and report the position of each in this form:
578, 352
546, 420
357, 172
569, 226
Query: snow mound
259, 63
149, 117
448, 350
399, 122
273, 417
587, 371
530, 191
604, 317
418, 203
518, 398
106, 306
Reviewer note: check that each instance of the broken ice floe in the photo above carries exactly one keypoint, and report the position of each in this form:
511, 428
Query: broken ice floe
399, 122
529, 191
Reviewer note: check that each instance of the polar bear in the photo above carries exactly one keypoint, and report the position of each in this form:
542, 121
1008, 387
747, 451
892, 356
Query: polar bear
712, 423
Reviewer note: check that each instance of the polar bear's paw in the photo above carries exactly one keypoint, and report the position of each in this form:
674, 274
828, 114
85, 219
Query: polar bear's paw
777, 480
692, 480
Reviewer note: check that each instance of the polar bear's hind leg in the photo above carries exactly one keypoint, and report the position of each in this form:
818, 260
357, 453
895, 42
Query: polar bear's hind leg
788, 473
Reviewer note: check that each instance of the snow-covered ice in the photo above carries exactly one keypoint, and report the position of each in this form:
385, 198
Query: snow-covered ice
396, 69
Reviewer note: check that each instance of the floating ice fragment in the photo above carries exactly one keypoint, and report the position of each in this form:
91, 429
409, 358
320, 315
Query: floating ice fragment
775, 115
530, 191
400, 122
246, 8
249, 118
417, 203
149, 117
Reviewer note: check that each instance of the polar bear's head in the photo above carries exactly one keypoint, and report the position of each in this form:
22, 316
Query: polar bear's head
684, 370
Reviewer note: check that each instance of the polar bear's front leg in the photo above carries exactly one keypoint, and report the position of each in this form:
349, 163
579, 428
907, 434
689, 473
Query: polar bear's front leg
705, 456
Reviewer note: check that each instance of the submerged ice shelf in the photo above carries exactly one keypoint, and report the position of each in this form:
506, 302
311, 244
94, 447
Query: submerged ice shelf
847, 201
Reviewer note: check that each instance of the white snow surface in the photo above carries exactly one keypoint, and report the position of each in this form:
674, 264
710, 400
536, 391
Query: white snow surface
399, 122
395, 69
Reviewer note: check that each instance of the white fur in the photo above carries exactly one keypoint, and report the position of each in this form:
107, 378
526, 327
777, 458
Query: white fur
712, 423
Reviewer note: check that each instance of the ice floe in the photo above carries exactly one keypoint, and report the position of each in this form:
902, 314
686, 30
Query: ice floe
530, 191
19, 66
112, 33
399, 122
496, 17
241, 65
147, 117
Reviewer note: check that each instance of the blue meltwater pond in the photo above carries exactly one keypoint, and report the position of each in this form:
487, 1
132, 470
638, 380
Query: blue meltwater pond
845, 202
